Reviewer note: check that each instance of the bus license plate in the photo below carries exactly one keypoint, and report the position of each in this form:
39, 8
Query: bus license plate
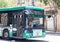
37, 32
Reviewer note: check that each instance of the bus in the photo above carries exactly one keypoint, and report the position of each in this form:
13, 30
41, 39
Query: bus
22, 22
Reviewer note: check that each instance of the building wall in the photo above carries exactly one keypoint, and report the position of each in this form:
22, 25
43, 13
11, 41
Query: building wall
58, 21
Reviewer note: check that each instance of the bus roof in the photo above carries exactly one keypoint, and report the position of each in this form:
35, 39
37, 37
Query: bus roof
20, 8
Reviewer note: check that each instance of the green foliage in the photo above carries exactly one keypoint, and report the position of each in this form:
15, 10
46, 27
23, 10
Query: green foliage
40, 0
6, 3
57, 2
3, 3
44, 1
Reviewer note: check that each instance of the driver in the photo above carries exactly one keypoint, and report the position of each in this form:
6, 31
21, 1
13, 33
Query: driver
31, 23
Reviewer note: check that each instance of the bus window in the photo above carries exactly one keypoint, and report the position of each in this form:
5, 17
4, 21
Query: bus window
4, 19
33, 22
41, 20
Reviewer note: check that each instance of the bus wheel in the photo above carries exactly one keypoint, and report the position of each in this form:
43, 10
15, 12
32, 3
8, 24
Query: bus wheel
6, 34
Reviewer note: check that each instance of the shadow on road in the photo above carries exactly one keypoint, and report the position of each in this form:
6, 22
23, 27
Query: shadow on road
26, 40
30, 41
23, 40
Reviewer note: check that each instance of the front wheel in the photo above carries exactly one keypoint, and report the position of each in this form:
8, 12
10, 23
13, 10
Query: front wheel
6, 34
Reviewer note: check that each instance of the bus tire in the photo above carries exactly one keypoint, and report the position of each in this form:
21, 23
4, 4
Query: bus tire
6, 34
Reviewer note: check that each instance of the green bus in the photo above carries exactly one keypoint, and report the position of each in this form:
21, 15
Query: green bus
22, 22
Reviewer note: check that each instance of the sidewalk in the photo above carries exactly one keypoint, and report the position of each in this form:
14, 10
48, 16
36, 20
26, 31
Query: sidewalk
53, 33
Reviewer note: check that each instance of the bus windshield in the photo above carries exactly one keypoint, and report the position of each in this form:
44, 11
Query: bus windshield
34, 19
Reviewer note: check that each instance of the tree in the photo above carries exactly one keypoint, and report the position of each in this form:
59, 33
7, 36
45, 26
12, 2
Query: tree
3, 3
44, 1
57, 2
7, 3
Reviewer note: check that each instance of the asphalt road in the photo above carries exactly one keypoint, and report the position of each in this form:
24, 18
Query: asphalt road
48, 38
23, 40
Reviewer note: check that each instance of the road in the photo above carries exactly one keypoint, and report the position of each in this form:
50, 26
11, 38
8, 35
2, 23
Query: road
48, 38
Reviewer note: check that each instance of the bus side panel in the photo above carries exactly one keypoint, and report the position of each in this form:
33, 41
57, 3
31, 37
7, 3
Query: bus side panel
1, 32
10, 33
44, 33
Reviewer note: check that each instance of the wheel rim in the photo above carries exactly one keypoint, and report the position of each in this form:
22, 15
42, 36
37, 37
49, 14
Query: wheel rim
6, 34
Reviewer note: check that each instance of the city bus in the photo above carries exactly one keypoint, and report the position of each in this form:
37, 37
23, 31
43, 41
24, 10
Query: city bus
22, 22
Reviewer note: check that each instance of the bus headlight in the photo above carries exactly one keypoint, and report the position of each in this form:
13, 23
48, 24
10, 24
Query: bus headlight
14, 29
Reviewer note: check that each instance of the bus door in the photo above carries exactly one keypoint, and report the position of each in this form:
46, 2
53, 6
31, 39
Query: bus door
18, 23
